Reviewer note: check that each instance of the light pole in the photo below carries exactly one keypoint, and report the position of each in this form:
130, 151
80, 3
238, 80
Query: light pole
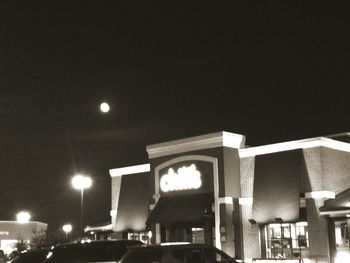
81, 182
67, 228
104, 107
23, 217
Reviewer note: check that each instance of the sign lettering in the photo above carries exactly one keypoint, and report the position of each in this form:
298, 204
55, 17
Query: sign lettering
186, 177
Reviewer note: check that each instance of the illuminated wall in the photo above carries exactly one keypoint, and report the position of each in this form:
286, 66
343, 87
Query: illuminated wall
11, 231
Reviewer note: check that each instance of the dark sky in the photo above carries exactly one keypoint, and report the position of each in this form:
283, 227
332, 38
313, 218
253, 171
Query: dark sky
271, 70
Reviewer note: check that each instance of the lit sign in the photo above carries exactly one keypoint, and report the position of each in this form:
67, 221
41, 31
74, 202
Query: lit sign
187, 177
4, 233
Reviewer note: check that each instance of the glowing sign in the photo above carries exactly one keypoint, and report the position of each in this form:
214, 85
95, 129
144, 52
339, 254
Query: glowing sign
185, 178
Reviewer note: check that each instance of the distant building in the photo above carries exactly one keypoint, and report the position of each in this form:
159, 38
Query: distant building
12, 232
285, 200
100, 231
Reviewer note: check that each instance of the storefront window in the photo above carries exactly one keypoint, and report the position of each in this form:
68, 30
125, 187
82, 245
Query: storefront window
342, 239
287, 240
198, 235
145, 237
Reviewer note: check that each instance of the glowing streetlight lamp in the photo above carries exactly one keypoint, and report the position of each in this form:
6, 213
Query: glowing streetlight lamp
104, 107
23, 217
67, 228
81, 182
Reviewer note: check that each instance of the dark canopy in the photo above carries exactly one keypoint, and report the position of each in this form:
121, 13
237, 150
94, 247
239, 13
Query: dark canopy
182, 208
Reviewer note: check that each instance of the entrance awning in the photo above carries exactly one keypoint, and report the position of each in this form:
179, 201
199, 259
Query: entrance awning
133, 203
337, 207
181, 208
276, 193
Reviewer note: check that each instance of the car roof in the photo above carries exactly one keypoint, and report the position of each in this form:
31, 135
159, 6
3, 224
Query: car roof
172, 245
111, 241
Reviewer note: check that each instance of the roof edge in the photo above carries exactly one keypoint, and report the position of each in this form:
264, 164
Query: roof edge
134, 169
207, 141
294, 145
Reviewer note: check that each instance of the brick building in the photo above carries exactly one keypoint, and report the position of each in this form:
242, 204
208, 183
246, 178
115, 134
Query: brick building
285, 200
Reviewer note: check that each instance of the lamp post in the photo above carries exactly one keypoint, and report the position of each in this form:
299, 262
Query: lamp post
81, 182
23, 217
104, 107
67, 228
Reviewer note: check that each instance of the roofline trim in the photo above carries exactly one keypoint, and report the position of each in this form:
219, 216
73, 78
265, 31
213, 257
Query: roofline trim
207, 141
134, 169
101, 228
293, 145
335, 213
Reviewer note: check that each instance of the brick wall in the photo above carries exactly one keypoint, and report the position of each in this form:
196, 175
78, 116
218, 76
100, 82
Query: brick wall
313, 163
251, 241
326, 170
335, 170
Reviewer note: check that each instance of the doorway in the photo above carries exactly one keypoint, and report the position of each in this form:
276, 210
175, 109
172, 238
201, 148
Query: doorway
193, 232
342, 240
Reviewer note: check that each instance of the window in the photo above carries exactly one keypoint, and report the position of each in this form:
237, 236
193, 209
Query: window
287, 240
141, 236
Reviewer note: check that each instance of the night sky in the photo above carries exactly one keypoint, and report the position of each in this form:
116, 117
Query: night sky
271, 70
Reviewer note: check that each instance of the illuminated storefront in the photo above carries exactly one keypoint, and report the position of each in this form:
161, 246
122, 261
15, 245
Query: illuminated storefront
12, 232
278, 201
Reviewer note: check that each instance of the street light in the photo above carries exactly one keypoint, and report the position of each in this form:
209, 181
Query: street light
23, 217
81, 182
104, 107
67, 228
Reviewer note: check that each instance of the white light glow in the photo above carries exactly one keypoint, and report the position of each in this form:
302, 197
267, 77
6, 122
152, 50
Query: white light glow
149, 234
67, 228
49, 254
304, 224
104, 107
196, 229
245, 201
342, 257
225, 200
185, 178
320, 194
174, 243
81, 182
23, 217
276, 260
8, 245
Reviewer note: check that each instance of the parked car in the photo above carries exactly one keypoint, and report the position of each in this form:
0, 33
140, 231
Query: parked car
93, 251
30, 256
176, 253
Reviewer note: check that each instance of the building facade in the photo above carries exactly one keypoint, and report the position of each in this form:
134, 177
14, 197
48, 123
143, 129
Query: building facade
287, 200
12, 232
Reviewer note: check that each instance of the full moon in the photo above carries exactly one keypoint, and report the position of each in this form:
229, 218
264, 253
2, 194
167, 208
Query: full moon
104, 107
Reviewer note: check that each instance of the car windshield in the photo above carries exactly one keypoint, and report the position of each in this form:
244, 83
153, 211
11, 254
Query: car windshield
88, 252
143, 255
